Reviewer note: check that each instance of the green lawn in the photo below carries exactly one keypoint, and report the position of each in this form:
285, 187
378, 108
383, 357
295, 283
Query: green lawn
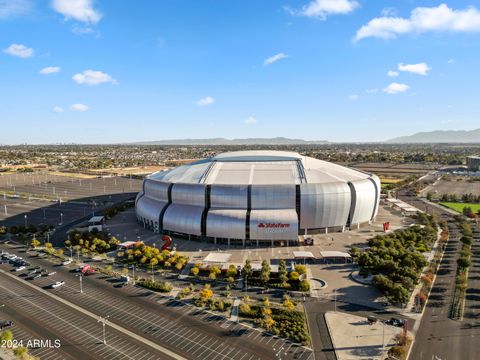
458, 206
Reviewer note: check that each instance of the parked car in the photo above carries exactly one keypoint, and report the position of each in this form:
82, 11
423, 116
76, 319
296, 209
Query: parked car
57, 284
5, 324
67, 262
20, 268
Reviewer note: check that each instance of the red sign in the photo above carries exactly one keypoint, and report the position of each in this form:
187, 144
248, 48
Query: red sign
273, 225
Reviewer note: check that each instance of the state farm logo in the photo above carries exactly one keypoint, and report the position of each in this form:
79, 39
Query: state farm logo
273, 225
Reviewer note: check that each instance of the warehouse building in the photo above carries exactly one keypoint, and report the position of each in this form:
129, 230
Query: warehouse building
473, 163
253, 197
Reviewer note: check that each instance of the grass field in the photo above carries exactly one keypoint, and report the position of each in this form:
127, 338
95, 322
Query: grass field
458, 206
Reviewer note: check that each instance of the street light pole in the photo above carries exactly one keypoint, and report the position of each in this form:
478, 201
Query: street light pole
26, 217
81, 283
103, 320
133, 267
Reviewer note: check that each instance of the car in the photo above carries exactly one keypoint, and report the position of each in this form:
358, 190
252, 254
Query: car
395, 322
41, 255
5, 324
50, 273
57, 284
67, 262
33, 272
20, 268
36, 276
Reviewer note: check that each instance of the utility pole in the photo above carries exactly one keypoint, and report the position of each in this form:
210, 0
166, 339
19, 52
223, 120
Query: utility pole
133, 268
103, 320
81, 283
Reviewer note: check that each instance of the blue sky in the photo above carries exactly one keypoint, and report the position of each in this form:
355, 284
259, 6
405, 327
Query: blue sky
110, 71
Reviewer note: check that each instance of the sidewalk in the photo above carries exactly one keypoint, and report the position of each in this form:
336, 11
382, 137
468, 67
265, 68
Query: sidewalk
354, 338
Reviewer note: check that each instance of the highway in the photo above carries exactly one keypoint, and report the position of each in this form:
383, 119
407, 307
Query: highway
181, 328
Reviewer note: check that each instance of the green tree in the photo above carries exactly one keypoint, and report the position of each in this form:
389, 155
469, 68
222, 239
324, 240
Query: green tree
195, 270
304, 285
265, 273
282, 272
232, 271
6, 335
34, 243
247, 269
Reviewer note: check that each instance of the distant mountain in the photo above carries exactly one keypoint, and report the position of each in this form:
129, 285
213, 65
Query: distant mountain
440, 136
223, 141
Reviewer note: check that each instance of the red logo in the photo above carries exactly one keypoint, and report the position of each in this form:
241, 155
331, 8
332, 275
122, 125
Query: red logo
273, 225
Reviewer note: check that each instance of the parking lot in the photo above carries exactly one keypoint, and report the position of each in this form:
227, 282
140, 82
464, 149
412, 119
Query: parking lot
184, 329
80, 336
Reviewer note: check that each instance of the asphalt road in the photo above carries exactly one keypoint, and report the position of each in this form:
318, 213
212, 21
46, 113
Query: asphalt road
183, 329
438, 336
36, 316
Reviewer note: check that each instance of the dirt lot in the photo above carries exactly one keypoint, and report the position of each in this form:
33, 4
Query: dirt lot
455, 185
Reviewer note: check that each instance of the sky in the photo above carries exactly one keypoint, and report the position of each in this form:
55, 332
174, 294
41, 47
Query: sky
108, 71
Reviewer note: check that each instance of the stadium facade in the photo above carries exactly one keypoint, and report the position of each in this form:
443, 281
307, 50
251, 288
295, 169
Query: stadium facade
257, 196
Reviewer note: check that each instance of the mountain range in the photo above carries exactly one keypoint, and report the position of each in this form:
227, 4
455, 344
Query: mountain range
440, 136
224, 141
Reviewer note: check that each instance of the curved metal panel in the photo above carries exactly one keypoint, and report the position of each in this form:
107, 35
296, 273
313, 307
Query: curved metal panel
273, 197
365, 201
274, 224
324, 205
224, 223
184, 219
189, 194
378, 190
157, 190
149, 209
229, 196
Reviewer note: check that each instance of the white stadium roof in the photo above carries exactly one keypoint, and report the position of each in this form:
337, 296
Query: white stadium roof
260, 167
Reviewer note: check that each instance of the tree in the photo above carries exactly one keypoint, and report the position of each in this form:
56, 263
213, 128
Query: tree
245, 308
230, 280
6, 336
301, 269
34, 243
232, 271
294, 276
247, 269
206, 293
282, 272
265, 273
268, 322
195, 270
212, 276
288, 304
48, 245
304, 285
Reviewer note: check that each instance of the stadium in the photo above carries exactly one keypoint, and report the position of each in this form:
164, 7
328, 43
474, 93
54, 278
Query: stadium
257, 197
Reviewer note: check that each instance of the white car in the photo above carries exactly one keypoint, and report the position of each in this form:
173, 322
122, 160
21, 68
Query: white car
67, 262
51, 273
20, 268
57, 284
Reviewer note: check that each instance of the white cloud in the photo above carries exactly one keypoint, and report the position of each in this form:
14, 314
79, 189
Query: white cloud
84, 30
353, 97
80, 10
274, 58
58, 109
92, 77
392, 73
371, 91
205, 101
10, 8
419, 69
49, 70
250, 120
321, 9
79, 107
19, 50
421, 20
396, 88
451, 61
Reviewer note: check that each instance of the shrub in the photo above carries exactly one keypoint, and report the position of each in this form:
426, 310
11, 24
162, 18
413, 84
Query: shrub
304, 285
162, 286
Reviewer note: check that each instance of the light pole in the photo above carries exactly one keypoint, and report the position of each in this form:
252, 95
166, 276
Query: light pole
70, 248
246, 283
133, 269
61, 219
26, 217
81, 283
103, 320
